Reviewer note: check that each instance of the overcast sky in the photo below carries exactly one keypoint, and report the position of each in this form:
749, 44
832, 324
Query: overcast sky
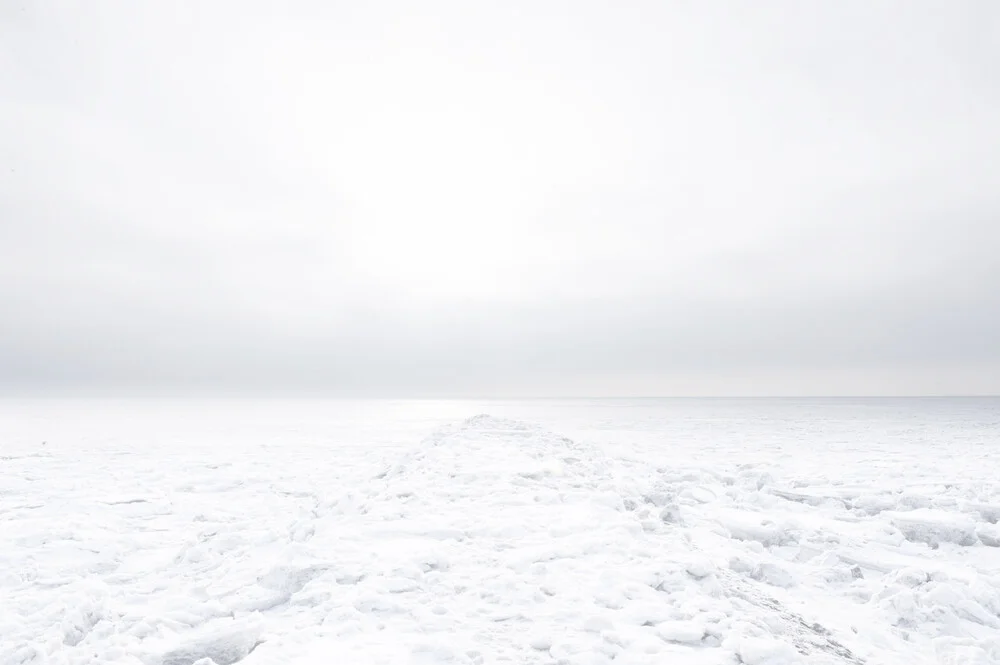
500, 198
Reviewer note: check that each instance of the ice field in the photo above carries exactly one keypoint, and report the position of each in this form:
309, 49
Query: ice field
762, 532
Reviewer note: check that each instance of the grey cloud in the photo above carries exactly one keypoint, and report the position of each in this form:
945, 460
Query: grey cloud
510, 198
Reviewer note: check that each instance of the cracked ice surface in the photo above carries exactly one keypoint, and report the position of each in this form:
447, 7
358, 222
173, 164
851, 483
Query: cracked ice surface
709, 531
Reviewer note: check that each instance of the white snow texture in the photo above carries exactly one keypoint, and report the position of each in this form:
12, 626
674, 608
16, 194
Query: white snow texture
495, 540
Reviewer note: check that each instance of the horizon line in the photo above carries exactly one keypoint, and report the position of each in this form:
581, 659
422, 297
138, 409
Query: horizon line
4, 395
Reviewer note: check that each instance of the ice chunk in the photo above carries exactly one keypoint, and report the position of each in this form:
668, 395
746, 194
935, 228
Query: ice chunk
684, 632
671, 514
755, 527
988, 534
597, 624
224, 644
934, 527
774, 574
873, 504
988, 511
766, 651
540, 642
803, 497
699, 568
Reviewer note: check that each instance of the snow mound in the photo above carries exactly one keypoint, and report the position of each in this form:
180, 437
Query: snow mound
484, 427
492, 450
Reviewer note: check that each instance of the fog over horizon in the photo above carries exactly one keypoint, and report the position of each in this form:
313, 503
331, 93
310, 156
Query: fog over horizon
500, 198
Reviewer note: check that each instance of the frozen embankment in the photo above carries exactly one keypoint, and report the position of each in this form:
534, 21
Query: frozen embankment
495, 541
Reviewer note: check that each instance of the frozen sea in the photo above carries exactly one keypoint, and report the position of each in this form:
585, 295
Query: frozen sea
701, 531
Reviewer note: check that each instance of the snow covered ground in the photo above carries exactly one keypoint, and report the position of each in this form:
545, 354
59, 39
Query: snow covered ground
672, 531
